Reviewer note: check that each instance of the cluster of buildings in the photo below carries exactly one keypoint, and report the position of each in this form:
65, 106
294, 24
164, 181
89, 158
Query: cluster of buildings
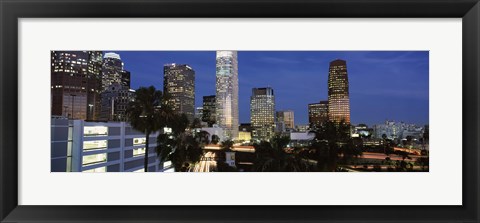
87, 85
90, 93
398, 130
221, 117
90, 85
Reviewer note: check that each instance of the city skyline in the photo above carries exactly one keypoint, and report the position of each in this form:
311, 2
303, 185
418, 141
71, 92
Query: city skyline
393, 84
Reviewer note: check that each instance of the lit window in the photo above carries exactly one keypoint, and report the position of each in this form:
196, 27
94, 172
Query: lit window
98, 144
95, 131
138, 152
93, 159
139, 141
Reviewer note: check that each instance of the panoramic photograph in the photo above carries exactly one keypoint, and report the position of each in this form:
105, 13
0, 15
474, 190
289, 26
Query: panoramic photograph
239, 111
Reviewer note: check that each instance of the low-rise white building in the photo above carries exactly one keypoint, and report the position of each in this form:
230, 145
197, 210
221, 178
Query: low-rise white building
81, 146
301, 138
215, 130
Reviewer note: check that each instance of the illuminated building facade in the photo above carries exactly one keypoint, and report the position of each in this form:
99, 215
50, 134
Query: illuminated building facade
287, 118
199, 113
245, 132
82, 146
338, 93
113, 71
208, 115
317, 113
115, 100
226, 100
262, 113
76, 84
179, 86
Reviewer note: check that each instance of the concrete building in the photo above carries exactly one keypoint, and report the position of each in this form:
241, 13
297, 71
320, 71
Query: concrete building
397, 130
317, 114
199, 113
245, 132
244, 136
113, 71
208, 114
262, 113
286, 117
76, 84
226, 100
301, 138
115, 100
179, 86
215, 130
302, 128
81, 146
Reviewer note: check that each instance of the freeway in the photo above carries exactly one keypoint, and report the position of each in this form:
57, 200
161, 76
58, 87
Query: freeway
206, 164
382, 156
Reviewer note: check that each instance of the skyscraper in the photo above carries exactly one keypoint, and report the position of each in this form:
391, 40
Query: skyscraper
317, 113
226, 101
76, 84
209, 110
179, 86
262, 113
115, 100
338, 96
287, 118
113, 71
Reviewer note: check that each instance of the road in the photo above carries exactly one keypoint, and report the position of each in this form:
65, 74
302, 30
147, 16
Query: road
206, 164
382, 156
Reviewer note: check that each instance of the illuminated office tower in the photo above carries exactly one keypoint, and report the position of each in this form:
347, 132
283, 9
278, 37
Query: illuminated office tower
226, 100
262, 113
338, 97
179, 86
208, 115
317, 113
113, 71
287, 118
76, 84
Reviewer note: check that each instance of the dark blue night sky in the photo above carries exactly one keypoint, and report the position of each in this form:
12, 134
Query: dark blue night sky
384, 85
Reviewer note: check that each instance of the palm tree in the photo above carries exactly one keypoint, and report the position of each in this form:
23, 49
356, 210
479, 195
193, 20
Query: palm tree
196, 123
272, 156
203, 137
144, 114
215, 139
179, 146
332, 144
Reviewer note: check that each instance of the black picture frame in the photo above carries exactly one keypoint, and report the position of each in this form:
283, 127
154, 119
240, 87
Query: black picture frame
11, 11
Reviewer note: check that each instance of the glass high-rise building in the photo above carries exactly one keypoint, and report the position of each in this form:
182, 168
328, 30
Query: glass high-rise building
76, 84
287, 118
115, 100
262, 113
226, 101
113, 71
179, 87
208, 115
338, 94
317, 114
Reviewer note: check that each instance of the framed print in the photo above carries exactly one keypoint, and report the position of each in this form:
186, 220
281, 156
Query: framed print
176, 111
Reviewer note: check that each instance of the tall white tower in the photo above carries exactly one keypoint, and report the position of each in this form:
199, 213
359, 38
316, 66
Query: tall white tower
226, 102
